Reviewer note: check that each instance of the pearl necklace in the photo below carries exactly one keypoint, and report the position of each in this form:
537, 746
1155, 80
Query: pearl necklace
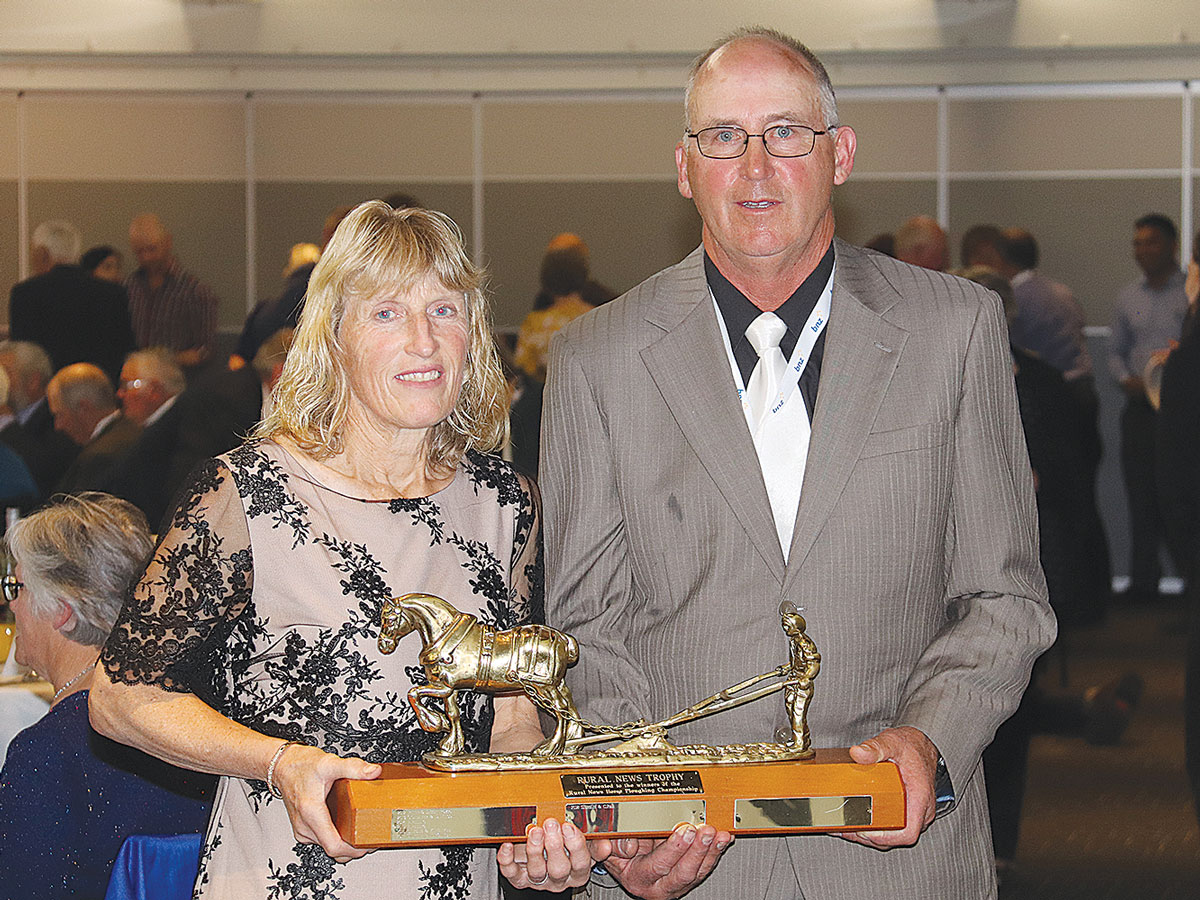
70, 684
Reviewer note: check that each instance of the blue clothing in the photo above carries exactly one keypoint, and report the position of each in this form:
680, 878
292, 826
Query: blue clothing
1145, 320
16, 484
69, 798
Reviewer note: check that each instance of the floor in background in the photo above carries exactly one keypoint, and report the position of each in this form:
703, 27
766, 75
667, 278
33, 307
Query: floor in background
1114, 822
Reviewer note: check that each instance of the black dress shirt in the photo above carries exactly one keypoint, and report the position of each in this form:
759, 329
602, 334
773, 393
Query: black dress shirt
738, 312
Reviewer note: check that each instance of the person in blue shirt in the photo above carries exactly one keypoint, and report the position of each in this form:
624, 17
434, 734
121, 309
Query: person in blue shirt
69, 797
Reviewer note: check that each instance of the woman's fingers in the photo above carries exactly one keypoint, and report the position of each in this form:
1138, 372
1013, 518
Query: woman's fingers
305, 781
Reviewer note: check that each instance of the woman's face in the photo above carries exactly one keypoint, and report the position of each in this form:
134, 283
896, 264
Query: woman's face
405, 353
31, 631
109, 269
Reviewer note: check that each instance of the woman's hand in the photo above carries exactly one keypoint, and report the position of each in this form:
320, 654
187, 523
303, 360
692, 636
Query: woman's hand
554, 857
305, 775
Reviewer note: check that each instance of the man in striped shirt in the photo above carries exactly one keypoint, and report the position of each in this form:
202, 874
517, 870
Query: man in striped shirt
169, 307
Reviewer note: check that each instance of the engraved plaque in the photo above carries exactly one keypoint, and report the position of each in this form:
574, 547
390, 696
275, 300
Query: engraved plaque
635, 816
790, 813
631, 783
462, 823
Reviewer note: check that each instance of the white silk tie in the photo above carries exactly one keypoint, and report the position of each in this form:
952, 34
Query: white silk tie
765, 389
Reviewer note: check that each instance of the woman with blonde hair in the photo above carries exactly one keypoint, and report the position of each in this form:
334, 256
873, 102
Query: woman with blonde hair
249, 649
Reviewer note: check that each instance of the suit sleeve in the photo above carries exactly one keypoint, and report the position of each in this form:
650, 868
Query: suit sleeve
588, 575
998, 619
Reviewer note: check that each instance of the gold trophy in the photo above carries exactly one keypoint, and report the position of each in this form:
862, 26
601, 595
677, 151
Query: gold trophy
642, 786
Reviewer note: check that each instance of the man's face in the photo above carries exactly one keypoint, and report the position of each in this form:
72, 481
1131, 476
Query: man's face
139, 394
760, 209
152, 248
69, 421
1153, 250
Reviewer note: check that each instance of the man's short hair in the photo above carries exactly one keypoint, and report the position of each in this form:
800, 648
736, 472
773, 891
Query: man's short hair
786, 42
81, 383
1160, 223
158, 363
1020, 249
977, 237
60, 240
28, 357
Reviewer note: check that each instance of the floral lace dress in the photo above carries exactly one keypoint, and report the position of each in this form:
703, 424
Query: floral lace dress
263, 599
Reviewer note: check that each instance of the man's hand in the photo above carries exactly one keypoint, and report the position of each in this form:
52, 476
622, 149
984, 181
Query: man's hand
663, 869
917, 759
553, 858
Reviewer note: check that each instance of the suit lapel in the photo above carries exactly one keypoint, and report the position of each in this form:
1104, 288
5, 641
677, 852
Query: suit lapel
862, 351
690, 369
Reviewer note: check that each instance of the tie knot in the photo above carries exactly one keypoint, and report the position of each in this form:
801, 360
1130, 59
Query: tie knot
765, 332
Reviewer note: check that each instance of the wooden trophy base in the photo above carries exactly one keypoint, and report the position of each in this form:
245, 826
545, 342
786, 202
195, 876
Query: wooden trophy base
411, 806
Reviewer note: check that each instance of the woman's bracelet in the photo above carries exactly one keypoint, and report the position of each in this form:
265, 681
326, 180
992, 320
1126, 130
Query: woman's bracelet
275, 792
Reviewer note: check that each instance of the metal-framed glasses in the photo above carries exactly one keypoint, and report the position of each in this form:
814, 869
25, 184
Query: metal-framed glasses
730, 142
11, 587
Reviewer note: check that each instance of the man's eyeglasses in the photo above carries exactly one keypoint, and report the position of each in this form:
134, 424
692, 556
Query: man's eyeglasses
730, 142
11, 587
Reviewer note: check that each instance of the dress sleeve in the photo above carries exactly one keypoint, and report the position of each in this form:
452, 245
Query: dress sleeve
525, 569
197, 584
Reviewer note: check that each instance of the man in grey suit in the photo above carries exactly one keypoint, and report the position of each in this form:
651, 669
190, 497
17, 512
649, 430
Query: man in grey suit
690, 487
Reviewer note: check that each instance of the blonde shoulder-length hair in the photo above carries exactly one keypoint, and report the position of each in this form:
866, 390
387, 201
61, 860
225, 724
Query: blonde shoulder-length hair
377, 248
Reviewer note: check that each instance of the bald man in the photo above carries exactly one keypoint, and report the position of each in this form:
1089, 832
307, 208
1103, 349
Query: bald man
920, 241
84, 406
170, 307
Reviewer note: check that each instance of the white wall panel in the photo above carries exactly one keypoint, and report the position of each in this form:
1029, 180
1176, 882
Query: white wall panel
106, 138
581, 140
1031, 134
353, 140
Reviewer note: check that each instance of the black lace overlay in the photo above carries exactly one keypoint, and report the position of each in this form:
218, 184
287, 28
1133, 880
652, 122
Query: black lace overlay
262, 484
423, 512
175, 624
264, 599
312, 876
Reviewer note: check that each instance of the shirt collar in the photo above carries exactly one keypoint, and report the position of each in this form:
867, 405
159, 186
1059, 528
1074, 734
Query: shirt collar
161, 411
102, 424
738, 312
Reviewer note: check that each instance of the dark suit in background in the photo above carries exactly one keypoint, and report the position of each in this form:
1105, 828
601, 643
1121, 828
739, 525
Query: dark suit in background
48, 453
97, 461
1178, 474
142, 475
214, 417
74, 317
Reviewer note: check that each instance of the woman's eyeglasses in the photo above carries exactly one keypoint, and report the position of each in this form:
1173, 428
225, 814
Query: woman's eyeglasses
11, 587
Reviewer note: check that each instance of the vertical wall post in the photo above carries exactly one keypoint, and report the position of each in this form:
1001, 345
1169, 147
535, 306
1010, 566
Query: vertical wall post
477, 253
251, 208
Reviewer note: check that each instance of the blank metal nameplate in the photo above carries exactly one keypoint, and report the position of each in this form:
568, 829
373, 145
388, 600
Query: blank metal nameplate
465, 823
634, 816
802, 812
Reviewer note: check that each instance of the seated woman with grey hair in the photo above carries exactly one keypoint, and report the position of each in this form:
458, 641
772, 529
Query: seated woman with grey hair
250, 648
69, 797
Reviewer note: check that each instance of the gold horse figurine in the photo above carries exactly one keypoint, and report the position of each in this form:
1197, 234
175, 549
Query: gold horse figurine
461, 653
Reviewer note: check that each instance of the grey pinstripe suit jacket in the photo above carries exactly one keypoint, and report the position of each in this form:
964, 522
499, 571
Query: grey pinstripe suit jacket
914, 554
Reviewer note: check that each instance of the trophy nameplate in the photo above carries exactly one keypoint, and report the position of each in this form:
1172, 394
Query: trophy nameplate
643, 786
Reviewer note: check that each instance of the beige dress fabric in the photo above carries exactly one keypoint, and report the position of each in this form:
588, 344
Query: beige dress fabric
264, 600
